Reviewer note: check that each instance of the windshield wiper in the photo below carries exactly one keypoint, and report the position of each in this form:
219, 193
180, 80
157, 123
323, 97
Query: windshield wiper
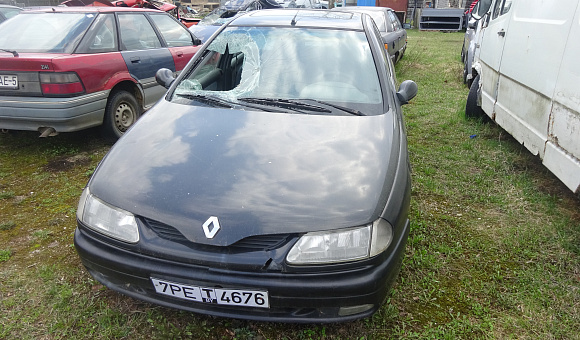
216, 101
14, 53
342, 108
285, 104
211, 100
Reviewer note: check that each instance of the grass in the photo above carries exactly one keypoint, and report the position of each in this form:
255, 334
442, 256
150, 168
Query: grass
493, 250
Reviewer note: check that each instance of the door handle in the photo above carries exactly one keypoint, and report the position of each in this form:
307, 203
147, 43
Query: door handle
180, 54
135, 60
501, 33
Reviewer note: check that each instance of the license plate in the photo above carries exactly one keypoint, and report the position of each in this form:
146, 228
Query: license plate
220, 296
8, 82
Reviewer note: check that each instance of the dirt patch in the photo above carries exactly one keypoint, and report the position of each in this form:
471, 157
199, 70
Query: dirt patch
67, 163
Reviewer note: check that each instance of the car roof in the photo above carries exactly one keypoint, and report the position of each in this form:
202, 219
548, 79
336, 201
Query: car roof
316, 18
89, 9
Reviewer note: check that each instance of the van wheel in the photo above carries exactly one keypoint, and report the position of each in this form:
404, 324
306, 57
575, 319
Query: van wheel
472, 110
121, 112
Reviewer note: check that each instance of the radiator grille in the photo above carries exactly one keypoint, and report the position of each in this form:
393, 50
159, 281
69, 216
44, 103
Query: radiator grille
252, 243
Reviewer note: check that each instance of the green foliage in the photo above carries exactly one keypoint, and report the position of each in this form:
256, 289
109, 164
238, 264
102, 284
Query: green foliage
5, 255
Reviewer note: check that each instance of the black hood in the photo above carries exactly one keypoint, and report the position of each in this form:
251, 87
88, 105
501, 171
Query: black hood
257, 172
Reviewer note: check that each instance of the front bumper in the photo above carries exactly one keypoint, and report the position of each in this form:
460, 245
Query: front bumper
62, 114
298, 297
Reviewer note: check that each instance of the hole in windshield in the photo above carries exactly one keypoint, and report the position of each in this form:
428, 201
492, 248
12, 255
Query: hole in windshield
286, 63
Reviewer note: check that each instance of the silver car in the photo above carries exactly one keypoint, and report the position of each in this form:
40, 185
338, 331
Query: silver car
393, 34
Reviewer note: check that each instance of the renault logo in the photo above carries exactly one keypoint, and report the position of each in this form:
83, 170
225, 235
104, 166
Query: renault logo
212, 223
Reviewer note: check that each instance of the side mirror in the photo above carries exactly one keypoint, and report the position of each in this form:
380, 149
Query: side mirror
407, 26
472, 24
483, 7
164, 77
407, 91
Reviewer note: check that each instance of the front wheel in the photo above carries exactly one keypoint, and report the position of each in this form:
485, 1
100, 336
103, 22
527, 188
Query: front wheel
472, 110
121, 112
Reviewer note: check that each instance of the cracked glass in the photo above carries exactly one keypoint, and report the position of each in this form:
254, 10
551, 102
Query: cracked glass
286, 63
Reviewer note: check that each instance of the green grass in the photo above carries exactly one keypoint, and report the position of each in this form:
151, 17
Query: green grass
493, 250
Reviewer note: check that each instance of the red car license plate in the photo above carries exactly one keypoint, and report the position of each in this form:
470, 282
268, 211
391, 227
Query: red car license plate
9, 82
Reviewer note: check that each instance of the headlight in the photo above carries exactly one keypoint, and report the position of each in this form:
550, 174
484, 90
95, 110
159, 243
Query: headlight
342, 245
111, 221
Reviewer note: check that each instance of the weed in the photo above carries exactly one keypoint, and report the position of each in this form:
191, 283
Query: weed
41, 235
7, 225
6, 195
5, 255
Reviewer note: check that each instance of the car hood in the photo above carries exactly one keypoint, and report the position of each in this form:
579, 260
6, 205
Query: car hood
257, 172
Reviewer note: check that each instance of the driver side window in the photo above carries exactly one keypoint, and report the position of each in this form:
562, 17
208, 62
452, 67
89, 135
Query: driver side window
501, 7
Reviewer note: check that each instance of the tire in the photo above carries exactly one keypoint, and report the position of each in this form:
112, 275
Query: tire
472, 110
122, 112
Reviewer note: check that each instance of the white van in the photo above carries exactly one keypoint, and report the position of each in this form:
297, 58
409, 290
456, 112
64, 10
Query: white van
527, 78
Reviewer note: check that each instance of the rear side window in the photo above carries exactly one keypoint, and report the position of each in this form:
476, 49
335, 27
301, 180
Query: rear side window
173, 33
395, 20
102, 37
382, 23
137, 33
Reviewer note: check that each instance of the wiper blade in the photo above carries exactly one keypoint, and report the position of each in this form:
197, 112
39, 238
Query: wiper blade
14, 53
285, 104
211, 100
342, 108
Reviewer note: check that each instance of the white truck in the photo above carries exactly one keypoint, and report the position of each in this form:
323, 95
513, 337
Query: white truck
527, 78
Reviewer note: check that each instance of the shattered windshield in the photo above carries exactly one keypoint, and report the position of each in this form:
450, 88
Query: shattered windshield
333, 66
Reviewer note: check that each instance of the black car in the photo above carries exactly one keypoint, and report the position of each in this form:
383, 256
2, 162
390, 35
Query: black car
266, 185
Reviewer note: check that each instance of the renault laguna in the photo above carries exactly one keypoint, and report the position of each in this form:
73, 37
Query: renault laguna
272, 182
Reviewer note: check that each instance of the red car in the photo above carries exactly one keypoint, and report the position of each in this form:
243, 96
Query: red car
65, 69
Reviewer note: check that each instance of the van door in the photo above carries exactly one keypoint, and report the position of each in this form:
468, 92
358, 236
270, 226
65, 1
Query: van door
529, 69
562, 154
490, 56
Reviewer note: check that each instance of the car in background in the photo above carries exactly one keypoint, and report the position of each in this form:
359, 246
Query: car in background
315, 4
7, 12
72, 68
470, 43
226, 12
265, 185
392, 32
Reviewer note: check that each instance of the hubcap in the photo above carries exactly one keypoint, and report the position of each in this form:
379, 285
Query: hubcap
124, 117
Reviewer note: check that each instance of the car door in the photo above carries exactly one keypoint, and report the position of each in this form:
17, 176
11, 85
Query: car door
398, 29
178, 39
387, 29
492, 43
143, 53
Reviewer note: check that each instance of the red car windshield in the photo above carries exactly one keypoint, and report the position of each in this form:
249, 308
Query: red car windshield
44, 32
